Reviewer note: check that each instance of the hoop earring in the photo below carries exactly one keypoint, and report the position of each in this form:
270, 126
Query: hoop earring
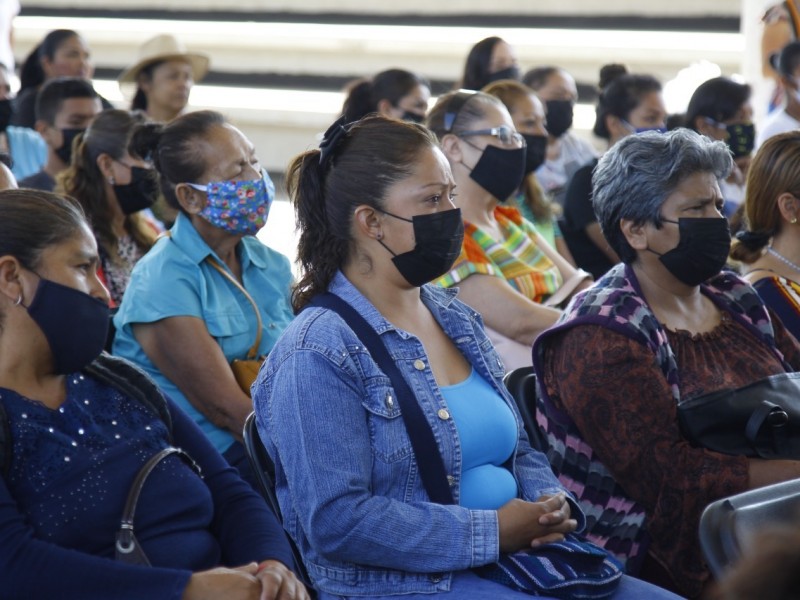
19, 300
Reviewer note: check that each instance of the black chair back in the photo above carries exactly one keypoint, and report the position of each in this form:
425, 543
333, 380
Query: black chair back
521, 384
728, 526
264, 470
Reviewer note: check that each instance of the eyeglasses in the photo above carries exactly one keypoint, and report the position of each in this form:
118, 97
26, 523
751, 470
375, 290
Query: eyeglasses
507, 136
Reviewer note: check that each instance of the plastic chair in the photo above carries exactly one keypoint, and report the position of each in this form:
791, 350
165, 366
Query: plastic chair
264, 470
728, 526
521, 384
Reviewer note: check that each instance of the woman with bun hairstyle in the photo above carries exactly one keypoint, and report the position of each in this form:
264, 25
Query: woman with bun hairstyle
566, 151
627, 104
62, 53
491, 59
770, 247
395, 93
209, 292
528, 114
114, 185
786, 117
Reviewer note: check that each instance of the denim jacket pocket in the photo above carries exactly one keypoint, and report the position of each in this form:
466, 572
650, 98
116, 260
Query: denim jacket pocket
387, 431
493, 360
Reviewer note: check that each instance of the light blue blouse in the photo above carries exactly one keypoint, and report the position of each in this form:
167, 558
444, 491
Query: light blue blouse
488, 434
174, 280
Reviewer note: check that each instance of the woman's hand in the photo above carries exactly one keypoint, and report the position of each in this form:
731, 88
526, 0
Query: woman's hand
279, 583
529, 524
230, 584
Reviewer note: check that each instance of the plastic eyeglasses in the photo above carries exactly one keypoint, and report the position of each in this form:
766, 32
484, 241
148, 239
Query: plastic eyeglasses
506, 135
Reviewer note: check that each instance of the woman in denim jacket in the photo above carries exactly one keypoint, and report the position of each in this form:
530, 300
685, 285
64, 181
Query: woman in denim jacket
377, 221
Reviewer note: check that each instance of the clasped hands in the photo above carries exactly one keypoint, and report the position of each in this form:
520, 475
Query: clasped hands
525, 524
269, 580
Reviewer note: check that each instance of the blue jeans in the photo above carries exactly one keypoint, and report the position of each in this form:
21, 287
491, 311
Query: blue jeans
468, 586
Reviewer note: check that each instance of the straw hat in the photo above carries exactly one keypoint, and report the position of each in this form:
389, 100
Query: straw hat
165, 47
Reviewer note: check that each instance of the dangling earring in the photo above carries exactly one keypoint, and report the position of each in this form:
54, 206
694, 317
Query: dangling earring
19, 300
111, 181
793, 220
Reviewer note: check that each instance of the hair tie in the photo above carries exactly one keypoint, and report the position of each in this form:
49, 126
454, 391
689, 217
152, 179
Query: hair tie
753, 239
331, 139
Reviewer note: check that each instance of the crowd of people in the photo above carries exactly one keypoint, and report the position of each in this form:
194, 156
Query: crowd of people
439, 249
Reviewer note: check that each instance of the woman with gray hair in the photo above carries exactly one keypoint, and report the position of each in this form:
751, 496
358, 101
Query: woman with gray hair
665, 324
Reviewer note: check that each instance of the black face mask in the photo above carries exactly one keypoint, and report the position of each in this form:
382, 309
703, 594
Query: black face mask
438, 239
65, 152
74, 323
413, 117
535, 151
559, 117
701, 252
140, 193
6, 112
741, 139
511, 72
500, 171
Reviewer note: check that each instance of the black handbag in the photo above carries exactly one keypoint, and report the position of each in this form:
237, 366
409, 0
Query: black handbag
759, 420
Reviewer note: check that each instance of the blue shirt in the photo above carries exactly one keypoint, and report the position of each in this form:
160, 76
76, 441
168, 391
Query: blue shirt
71, 470
488, 435
174, 280
28, 151
347, 479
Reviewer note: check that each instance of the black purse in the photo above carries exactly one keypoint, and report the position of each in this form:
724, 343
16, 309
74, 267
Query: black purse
759, 420
127, 547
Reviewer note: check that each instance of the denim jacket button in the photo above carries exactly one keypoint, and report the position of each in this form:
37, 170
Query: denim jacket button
443, 414
419, 365
389, 401
435, 578
451, 481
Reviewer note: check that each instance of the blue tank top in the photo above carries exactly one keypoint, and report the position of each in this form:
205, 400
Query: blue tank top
488, 434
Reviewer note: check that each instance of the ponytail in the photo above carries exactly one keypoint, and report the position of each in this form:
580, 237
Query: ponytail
320, 252
748, 246
359, 102
31, 74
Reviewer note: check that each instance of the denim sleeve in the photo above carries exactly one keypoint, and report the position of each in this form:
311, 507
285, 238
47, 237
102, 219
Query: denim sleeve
309, 405
536, 478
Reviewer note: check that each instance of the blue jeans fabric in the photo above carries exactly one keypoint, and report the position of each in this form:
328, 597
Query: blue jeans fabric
468, 586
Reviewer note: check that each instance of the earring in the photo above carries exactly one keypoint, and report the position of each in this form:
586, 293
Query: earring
111, 181
379, 236
793, 220
19, 300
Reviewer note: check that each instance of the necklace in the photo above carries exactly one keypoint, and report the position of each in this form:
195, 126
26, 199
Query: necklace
783, 259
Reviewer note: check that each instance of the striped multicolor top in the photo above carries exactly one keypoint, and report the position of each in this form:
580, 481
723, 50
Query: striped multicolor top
783, 297
517, 258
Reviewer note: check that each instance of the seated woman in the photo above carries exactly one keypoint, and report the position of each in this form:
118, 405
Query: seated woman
566, 151
392, 93
664, 326
786, 62
720, 109
80, 426
164, 76
528, 115
210, 291
627, 104
62, 53
377, 223
505, 271
114, 186
491, 59
770, 248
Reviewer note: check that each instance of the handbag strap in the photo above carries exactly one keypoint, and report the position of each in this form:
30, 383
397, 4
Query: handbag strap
429, 459
252, 354
125, 538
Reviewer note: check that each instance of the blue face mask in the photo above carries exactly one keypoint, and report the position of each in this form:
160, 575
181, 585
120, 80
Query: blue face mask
643, 129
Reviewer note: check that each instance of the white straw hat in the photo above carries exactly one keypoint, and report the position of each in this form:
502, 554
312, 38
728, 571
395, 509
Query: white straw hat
165, 47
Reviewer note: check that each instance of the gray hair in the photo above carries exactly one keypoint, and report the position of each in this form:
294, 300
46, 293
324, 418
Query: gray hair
635, 177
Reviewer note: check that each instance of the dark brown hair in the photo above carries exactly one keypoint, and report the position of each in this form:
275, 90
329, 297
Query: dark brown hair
375, 153
111, 132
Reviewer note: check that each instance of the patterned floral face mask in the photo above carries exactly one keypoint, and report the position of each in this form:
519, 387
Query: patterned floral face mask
240, 207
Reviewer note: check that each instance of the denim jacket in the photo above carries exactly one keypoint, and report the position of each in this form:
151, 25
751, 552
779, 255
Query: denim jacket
346, 476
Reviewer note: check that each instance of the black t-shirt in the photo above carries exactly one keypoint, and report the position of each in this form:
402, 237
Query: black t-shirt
579, 214
38, 181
